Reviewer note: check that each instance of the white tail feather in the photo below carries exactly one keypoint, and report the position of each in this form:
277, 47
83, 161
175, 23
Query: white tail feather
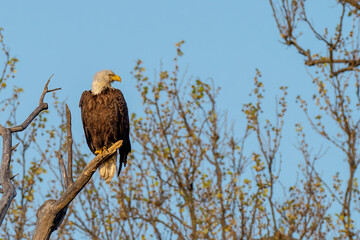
107, 169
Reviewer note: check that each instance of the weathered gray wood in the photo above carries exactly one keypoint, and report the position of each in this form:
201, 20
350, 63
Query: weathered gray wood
52, 212
8, 189
69, 140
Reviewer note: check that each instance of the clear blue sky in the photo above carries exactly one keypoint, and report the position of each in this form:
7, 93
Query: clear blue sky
225, 40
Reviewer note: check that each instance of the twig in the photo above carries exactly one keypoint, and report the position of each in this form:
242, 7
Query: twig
286, 24
46, 90
14, 176
14, 147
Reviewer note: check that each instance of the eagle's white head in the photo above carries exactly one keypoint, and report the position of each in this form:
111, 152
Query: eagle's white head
103, 80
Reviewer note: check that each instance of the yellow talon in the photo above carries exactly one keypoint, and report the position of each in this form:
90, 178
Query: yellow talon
104, 149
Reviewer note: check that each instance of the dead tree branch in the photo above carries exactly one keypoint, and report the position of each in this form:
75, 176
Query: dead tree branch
8, 188
52, 212
42, 106
70, 179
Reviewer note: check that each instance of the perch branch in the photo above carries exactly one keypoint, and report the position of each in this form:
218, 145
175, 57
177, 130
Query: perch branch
52, 212
85, 176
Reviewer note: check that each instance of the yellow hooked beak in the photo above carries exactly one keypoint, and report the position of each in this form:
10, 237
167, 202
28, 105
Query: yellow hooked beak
116, 78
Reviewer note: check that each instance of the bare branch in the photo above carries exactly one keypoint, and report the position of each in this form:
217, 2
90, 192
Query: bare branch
6, 133
46, 90
31, 117
351, 62
52, 212
63, 170
69, 145
316, 33
7, 186
85, 176
14, 147
14, 176
354, 3
42, 106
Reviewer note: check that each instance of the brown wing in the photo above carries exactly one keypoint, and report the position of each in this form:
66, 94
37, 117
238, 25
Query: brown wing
85, 112
123, 127
106, 120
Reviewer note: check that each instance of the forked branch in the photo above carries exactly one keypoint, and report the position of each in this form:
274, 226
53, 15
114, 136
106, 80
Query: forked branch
52, 212
42, 106
287, 15
8, 189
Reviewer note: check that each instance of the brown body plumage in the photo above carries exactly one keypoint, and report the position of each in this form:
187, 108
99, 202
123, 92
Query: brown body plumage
105, 120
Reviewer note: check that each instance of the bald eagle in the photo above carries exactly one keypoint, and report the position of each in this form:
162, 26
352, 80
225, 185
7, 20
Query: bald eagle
105, 119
